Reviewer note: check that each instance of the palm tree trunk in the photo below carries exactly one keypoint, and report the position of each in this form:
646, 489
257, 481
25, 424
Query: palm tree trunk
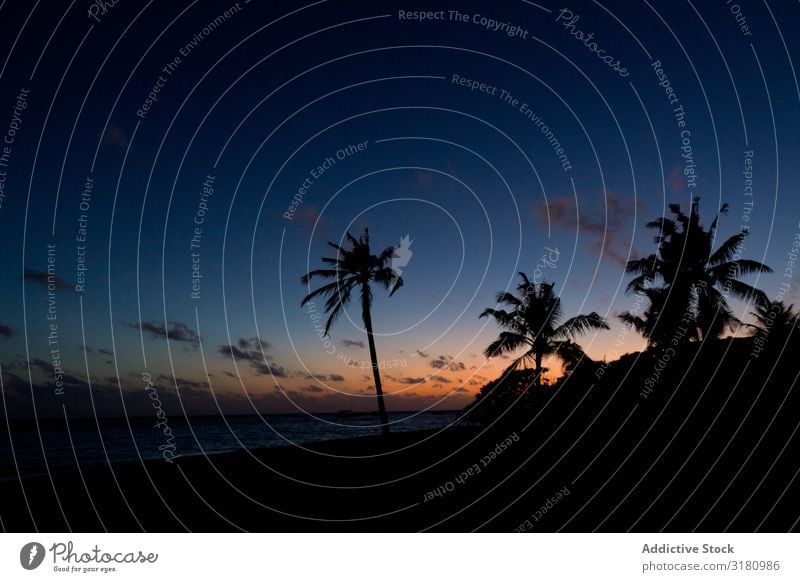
373, 355
538, 368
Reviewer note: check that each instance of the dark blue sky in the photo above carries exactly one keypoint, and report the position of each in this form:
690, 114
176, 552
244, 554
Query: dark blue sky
264, 93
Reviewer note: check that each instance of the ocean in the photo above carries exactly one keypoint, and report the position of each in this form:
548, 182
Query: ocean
29, 447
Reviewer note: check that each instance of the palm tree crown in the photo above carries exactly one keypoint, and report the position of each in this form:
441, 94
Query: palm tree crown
354, 270
534, 324
687, 282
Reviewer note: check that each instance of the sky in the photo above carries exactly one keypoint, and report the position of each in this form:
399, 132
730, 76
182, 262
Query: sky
158, 150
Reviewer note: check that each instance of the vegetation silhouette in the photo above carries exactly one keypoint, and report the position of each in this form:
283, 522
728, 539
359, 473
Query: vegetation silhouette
353, 270
774, 327
703, 410
687, 282
534, 324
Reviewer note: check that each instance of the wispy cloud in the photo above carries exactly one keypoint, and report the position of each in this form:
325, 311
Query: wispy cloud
254, 351
447, 362
116, 136
43, 279
412, 380
348, 343
177, 331
605, 228
181, 382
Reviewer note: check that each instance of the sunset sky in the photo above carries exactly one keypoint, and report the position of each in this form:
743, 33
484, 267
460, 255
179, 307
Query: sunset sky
251, 110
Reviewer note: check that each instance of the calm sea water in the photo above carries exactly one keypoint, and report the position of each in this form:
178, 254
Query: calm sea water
98, 441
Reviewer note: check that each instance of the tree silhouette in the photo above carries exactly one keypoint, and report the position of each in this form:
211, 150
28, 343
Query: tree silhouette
775, 325
353, 270
534, 324
687, 282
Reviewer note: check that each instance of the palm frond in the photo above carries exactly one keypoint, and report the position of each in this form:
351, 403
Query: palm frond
580, 324
727, 250
398, 282
328, 273
744, 291
331, 289
738, 268
571, 353
339, 249
507, 342
517, 363
335, 305
634, 321
644, 266
502, 317
508, 298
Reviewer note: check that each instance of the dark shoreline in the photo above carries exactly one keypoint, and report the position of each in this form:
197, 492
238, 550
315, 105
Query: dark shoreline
316, 476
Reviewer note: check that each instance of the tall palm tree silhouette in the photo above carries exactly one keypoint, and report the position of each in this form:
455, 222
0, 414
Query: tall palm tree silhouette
354, 270
687, 282
533, 323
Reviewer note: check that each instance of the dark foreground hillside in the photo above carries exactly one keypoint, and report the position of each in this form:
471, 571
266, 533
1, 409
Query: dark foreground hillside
711, 446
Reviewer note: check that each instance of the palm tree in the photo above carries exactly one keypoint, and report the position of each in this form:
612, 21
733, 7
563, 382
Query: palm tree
687, 282
534, 324
354, 269
776, 324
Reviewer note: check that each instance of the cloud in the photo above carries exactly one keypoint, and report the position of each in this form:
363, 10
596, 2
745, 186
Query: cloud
478, 379
116, 136
422, 354
604, 231
43, 279
181, 382
68, 379
254, 350
446, 362
439, 362
105, 352
420, 380
313, 389
323, 377
676, 180
177, 331
460, 389
348, 343
86, 349
441, 379
310, 216
6, 330
269, 369
254, 343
